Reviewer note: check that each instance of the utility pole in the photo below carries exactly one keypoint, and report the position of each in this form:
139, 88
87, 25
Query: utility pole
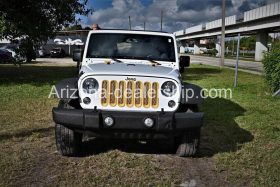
144, 25
222, 62
129, 22
233, 46
161, 17
237, 60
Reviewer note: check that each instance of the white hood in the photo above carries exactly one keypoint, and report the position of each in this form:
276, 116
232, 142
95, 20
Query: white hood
125, 69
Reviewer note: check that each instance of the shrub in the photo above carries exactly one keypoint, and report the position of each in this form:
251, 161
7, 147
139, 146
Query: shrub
211, 52
271, 63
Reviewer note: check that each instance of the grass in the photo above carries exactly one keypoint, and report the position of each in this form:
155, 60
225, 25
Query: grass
241, 57
241, 135
244, 131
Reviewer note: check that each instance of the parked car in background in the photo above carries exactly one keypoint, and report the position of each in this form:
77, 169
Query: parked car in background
189, 50
41, 52
13, 50
57, 52
203, 50
5, 56
10, 48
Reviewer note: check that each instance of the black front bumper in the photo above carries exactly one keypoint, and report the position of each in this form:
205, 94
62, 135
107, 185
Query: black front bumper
94, 120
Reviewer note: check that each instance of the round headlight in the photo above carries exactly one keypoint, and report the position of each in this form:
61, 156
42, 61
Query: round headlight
90, 86
168, 88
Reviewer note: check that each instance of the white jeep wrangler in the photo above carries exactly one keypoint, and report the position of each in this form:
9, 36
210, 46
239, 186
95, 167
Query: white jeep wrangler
129, 86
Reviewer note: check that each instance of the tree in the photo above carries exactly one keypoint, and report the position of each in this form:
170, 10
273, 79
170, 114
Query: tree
34, 21
87, 28
248, 42
74, 27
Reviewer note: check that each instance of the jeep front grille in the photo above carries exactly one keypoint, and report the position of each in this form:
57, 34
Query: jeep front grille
130, 94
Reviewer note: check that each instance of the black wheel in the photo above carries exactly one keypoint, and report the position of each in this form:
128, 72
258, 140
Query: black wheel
187, 144
68, 142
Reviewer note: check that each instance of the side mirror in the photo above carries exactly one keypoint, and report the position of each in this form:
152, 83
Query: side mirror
184, 61
78, 56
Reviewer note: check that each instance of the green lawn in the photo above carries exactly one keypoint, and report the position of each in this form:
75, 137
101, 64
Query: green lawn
241, 135
241, 57
244, 132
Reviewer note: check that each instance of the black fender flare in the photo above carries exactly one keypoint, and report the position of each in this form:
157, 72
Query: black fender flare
191, 94
67, 89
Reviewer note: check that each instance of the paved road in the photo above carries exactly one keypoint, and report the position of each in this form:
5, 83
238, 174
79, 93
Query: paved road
252, 66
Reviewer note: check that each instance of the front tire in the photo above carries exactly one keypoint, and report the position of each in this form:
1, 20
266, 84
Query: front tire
187, 144
68, 142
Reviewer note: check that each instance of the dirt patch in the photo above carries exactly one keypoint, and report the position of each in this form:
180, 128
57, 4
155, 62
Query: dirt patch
110, 162
195, 171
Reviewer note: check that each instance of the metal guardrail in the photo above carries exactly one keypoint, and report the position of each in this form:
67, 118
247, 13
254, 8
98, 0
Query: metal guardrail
262, 12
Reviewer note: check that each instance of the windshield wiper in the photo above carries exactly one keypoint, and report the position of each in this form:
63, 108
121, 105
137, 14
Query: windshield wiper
116, 60
154, 62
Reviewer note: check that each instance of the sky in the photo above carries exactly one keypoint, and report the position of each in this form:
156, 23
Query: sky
177, 14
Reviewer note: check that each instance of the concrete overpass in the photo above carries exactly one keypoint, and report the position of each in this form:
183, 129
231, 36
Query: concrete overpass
260, 22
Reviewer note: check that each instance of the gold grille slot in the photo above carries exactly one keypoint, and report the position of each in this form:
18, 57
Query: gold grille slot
129, 94
155, 95
146, 94
104, 93
138, 94
121, 101
113, 98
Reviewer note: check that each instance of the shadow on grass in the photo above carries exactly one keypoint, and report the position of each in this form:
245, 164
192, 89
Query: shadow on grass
101, 145
35, 75
26, 133
198, 73
220, 134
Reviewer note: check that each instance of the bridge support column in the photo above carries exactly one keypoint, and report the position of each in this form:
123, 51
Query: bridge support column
261, 45
196, 47
218, 48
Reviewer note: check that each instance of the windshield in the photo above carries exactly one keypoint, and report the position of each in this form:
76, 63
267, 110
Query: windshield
131, 46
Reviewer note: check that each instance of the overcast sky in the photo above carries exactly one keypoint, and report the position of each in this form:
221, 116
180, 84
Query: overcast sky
177, 14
